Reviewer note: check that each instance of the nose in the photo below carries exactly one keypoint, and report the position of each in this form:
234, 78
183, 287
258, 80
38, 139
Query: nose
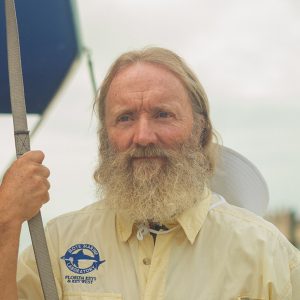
144, 133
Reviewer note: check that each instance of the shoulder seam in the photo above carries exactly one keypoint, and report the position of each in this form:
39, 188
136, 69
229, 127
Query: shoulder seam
270, 228
277, 234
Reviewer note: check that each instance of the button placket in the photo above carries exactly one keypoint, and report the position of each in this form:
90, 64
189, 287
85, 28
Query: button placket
147, 261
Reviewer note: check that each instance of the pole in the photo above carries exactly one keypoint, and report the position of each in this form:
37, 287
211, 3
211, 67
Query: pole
22, 143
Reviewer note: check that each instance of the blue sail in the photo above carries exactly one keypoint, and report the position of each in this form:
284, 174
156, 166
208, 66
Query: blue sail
49, 43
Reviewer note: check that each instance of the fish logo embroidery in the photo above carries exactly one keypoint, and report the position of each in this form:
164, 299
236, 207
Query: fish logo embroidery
82, 258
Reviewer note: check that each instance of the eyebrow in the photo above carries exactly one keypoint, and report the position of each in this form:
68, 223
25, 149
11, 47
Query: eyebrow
124, 109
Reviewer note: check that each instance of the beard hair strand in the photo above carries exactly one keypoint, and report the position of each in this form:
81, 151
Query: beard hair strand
152, 190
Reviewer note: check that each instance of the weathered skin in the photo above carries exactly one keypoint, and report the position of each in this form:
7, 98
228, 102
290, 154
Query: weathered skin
147, 104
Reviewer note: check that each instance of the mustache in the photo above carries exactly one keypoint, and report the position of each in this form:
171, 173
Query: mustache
147, 151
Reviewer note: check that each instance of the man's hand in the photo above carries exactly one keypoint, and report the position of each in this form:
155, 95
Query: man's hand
24, 189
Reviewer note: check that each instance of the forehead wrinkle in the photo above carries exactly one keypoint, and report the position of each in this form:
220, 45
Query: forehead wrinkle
131, 85
125, 104
135, 104
135, 80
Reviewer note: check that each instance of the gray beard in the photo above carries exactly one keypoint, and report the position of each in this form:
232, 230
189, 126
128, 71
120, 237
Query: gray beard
153, 190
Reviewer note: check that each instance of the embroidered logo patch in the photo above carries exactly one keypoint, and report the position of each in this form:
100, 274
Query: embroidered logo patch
82, 258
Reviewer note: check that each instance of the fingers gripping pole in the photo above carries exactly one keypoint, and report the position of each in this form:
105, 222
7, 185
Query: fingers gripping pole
23, 145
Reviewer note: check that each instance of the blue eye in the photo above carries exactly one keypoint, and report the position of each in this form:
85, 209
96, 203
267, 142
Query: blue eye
163, 114
124, 118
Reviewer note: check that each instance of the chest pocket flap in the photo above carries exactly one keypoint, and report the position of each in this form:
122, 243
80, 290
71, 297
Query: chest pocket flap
249, 298
92, 296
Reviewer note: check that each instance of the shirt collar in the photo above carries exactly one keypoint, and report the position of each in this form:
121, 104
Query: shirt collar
124, 226
191, 220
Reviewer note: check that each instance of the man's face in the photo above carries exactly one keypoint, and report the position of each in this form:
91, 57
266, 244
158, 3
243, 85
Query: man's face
147, 105
152, 165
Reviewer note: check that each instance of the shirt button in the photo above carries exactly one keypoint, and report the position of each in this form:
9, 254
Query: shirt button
147, 261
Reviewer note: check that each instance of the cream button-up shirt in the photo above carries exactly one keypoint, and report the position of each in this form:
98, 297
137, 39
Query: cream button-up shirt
215, 251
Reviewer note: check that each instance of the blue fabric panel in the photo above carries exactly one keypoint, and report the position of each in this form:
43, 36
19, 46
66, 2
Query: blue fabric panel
49, 45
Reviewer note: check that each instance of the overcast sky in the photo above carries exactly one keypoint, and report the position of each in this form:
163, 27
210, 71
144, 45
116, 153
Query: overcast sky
246, 54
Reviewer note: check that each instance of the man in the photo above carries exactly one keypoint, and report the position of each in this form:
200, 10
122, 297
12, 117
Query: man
159, 232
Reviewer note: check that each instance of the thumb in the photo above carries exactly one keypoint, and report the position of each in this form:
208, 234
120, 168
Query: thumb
34, 156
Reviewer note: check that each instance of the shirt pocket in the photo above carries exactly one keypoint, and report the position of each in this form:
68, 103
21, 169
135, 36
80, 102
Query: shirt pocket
248, 298
92, 296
